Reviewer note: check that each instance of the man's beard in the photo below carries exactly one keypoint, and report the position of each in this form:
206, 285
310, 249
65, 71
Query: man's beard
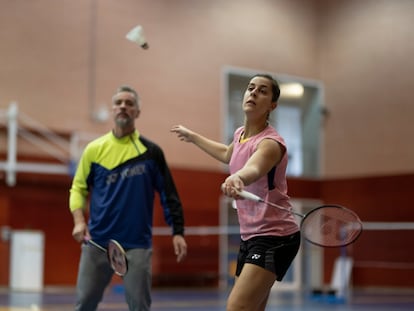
123, 122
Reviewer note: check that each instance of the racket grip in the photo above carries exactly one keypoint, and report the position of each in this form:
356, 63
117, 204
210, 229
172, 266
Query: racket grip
249, 196
90, 241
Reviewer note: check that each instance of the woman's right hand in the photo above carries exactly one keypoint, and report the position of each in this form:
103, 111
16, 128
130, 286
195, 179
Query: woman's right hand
232, 186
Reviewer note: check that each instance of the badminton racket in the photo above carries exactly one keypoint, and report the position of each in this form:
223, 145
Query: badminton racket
116, 256
327, 225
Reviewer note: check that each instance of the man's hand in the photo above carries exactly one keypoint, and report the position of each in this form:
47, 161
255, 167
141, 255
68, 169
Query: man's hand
80, 231
180, 247
80, 228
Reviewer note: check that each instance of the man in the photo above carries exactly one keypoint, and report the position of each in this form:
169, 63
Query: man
120, 172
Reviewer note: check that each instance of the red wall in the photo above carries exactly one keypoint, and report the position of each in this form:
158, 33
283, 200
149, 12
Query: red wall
381, 258
40, 202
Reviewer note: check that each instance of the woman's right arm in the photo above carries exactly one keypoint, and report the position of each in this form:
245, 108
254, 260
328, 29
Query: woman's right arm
215, 149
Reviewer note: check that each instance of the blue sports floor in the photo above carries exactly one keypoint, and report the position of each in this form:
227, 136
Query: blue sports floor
61, 299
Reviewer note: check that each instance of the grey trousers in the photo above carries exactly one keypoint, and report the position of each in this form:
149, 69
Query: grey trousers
95, 274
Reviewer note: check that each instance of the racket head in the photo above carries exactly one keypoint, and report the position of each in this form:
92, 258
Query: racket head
117, 258
331, 226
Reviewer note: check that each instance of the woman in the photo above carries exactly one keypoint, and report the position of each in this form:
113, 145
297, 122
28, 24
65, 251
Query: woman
257, 160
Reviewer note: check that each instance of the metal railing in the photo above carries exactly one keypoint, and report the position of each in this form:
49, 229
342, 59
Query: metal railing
22, 127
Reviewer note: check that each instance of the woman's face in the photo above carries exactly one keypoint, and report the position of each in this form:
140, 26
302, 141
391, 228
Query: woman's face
258, 97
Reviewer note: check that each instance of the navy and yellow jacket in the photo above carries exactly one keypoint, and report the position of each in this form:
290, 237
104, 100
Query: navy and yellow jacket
121, 176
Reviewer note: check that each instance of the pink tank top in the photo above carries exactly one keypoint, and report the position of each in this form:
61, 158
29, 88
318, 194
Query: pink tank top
258, 219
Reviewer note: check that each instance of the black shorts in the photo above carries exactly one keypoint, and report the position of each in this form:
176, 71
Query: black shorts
272, 253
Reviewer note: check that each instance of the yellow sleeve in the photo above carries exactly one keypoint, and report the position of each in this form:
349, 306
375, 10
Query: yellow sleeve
79, 189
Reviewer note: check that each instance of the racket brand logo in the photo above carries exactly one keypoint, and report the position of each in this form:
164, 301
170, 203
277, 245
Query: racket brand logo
329, 224
126, 173
334, 228
256, 256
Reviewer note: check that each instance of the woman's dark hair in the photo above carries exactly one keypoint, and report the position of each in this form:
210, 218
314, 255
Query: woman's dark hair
275, 85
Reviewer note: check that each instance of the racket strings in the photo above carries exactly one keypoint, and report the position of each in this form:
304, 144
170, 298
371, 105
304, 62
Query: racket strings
117, 258
331, 226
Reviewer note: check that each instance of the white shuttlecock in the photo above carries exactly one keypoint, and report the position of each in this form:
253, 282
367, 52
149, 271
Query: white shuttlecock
136, 35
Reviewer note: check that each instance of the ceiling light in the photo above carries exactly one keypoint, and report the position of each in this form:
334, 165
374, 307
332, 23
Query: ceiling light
291, 90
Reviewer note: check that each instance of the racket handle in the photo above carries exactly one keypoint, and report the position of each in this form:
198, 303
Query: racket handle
90, 241
249, 196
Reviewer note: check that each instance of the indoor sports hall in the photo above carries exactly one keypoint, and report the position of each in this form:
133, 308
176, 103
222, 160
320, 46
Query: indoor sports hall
346, 112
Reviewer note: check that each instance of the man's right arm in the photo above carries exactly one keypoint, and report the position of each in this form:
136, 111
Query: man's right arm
77, 199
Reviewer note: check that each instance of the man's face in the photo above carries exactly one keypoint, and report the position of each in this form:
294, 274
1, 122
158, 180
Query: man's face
125, 109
